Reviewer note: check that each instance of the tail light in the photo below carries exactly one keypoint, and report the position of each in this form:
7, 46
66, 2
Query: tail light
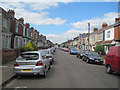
39, 63
16, 64
50, 56
47, 56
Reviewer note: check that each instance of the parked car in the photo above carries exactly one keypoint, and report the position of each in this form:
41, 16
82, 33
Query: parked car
66, 49
33, 62
52, 50
73, 51
80, 54
112, 61
92, 57
50, 56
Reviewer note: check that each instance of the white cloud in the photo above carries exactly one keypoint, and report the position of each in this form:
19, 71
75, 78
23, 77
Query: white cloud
38, 18
42, 5
109, 18
65, 1
64, 36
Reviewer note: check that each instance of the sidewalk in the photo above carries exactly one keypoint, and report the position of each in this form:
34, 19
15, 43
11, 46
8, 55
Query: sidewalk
7, 71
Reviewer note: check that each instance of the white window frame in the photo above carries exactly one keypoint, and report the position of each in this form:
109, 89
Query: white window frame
108, 34
5, 22
17, 24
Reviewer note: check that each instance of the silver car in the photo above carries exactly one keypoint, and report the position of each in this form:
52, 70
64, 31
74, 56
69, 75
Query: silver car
48, 54
33, 62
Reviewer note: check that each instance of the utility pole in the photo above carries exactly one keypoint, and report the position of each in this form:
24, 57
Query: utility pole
88, 36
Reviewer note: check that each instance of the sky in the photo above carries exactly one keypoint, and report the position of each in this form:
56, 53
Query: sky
62, 20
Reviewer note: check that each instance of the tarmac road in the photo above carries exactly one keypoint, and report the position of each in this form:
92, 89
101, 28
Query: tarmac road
68, 71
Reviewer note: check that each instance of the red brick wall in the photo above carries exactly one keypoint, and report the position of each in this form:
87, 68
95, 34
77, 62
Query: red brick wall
9, 55
117, 32
20, 29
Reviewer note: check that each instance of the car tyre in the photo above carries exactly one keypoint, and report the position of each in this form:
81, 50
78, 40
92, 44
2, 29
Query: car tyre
45, 73
82, 58
108, 69
87, 60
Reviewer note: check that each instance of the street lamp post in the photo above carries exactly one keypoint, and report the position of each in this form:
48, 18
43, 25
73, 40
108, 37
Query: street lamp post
88, 36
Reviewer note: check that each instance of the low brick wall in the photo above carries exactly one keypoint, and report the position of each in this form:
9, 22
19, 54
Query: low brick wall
9, 55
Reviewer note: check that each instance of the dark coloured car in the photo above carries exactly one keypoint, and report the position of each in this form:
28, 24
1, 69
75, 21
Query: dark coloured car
73, 51
92, 57
80, 53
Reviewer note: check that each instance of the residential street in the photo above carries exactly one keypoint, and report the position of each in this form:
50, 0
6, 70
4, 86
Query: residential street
68, 72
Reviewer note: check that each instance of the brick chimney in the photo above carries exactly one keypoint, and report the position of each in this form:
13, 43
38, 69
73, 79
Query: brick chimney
32, 28
104, 25
38, 33
35, 30
21, 20
95, 29
11, 12
27, 25
117, 19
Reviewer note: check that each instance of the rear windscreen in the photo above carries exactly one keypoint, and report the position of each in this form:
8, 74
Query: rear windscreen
28, 56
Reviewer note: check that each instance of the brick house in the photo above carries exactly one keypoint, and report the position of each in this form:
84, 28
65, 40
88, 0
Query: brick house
5, 27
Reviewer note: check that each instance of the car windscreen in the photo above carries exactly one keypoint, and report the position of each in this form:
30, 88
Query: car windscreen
94, 54
45, 51
74, 49
28, 56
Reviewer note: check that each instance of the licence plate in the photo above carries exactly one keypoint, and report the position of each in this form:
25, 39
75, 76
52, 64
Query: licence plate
97, 61
26, 70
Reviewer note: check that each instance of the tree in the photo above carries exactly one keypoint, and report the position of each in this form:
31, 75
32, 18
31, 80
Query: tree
29, 47
99, 48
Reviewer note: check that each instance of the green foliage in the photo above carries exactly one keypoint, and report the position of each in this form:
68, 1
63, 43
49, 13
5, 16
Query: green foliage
34, 46
23, 49
99, 48
29, 47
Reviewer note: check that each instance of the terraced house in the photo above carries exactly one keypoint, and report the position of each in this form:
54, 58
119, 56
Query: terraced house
15, 34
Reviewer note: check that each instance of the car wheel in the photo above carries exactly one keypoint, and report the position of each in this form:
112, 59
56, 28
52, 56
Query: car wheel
87, 60
49, 67
51, 63
108, 69
45, 73
77, 56
82, 58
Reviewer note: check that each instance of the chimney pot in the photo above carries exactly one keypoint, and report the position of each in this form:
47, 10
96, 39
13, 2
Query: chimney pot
11, 12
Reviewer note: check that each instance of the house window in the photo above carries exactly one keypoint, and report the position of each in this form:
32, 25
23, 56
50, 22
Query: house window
17, 26
16, 42
6, 41
5, 22
101, 36
108, 34
3, 41
94, 38
24, 31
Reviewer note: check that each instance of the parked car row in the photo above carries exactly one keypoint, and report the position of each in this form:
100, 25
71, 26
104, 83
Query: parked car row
34, 62
112, 60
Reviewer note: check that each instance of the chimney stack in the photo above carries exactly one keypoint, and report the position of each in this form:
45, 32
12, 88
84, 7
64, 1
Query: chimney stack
95, 29
11, 12
27, 25
104, 25
117, 20
32, 28
21, 20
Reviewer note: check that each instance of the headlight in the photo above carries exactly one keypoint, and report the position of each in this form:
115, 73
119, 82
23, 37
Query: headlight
81, 54
91, 58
